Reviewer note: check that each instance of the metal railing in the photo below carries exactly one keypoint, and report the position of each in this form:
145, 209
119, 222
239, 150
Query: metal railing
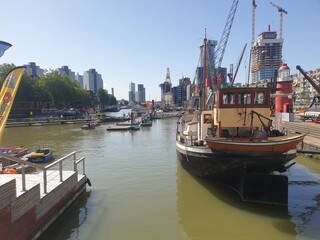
60, 161
46, 168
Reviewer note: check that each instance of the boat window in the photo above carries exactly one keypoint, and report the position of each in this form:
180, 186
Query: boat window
207, 118
232, 97
244, 98
228, 98
259, 98
225, 98
209, 132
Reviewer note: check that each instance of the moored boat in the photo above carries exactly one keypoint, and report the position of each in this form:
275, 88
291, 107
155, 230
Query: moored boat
146, 122
89, 125
41, 155
123, 127
229, 137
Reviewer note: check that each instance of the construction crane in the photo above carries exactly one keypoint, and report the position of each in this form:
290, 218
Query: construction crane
281, 11
232, 75
224, 38
313, 84
254, 6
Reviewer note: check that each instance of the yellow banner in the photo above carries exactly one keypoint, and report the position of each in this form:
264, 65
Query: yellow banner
7, 95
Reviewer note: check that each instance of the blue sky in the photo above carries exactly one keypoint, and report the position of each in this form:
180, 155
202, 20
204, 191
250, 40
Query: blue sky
136, 40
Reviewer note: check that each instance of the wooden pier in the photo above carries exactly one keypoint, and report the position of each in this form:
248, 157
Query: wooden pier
30, 203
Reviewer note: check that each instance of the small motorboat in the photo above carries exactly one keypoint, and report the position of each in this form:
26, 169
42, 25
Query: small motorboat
146, 122
134, 127
88, 126
41, 155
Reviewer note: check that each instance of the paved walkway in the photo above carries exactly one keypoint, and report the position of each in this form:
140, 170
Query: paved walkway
308, 127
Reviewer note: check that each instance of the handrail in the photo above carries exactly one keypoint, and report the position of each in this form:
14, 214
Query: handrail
59, 161
18, 160
44, 169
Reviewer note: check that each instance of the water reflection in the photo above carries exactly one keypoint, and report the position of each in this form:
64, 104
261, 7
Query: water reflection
304, 198
206, 209
72, 219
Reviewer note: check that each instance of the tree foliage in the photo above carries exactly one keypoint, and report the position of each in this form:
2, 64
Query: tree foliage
105, 99
55, 88
5, 68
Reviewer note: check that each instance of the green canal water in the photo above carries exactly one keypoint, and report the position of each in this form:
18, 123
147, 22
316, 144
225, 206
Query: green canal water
139, 191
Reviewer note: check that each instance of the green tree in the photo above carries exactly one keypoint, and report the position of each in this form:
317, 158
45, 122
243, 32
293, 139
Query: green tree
5, 68
112, 100
51, 87
62, 90
26, 90
103, 97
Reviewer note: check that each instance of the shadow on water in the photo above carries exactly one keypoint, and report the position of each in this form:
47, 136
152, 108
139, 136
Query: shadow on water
71, 220
205, 207
232, 198
304, 197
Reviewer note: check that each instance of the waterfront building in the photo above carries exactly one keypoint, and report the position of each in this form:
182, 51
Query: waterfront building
303, 90
92, 80
141, 94
65, 70
132, 91
266, 56
79, 79
210, 56
136, 95
179, 95
33, 70
166, 92
180, 92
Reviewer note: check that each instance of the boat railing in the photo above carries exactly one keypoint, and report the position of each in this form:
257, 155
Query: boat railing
59, 162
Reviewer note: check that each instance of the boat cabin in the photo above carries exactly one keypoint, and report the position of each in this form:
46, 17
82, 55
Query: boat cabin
237, 112
240, 111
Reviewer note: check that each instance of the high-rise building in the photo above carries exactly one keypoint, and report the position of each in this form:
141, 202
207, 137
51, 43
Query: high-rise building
65, 70
266, 56
132, 91
92, 80
166, 92
141, 93
79, 79
180, 92
210, 57
33, 70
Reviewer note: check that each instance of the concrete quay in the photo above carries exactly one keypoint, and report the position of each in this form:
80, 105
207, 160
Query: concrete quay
312, 130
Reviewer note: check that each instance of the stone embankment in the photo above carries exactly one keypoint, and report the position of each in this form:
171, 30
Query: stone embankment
311, 142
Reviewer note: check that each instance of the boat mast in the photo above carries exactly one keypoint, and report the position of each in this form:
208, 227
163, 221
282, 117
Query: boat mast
204, 70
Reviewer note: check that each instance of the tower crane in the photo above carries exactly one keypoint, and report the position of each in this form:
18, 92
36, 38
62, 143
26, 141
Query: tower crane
232, 75
224, 38
281, 11
215, 63
254, 6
